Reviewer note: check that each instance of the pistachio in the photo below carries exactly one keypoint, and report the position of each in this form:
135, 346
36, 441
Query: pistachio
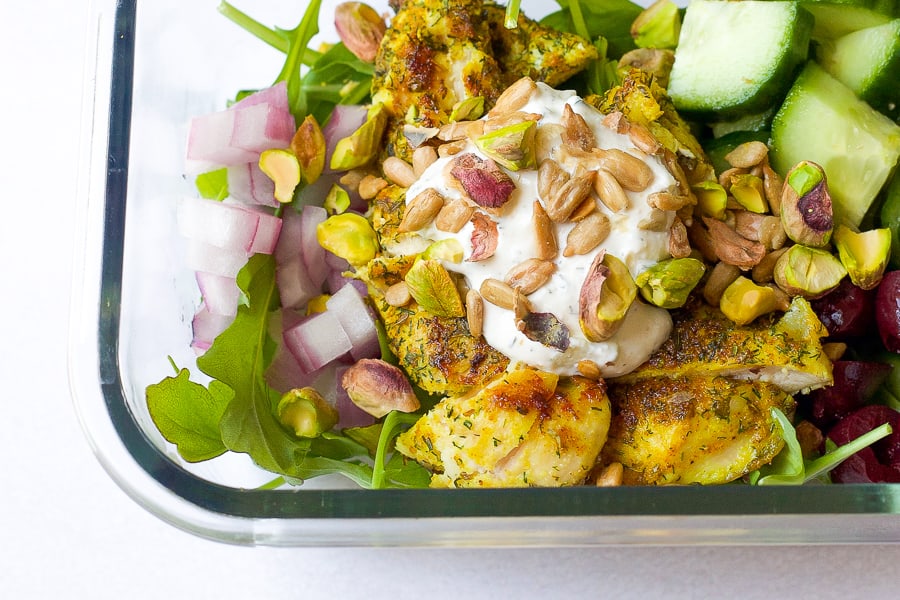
576, 131
587, 234
512, 146
773, 185
544, 232
379, 387
360, 147
765, 229
806, 210
865, 255
337, 200
711, 199
399, 171
483, 181
283, 168
467, 109
808, 272
546, 329
748, 154
433, 289
764, 271
447, 250
668, 283
421, 210
350, 236
657, 26
748, 190
743, 301
306, 413
360, 28
453, 216
308, 145
721, 276
474, 312
484, 237
606, 295
530, 275
733, 248
701, 240
507, 120
398, 294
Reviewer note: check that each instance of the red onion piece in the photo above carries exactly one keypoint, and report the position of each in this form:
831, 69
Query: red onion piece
312, 252
248, 184
206, 326
216, 224
295, 288
356, 320
267, 232
220, 294
317, 341
212, 259
344, 120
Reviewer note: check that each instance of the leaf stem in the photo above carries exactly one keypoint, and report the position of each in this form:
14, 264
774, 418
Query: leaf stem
578, 19
254, 27
511, 20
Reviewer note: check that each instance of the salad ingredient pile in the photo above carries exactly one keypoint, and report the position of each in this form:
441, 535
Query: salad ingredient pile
462, 248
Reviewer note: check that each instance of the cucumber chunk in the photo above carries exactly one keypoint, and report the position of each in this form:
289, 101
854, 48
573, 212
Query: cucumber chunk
822, 120
890, 218
836, 18
735, 58
868, 62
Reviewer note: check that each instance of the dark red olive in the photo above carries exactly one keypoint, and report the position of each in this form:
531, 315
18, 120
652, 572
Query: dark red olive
887, 310
855, 382
847, 311
878, 463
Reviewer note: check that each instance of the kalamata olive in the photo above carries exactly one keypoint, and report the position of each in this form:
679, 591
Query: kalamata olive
846, 312
855, 382
887, 310
878, 463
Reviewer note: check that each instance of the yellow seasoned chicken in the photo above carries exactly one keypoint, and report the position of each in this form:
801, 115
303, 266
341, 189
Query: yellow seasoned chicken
525, 428
785, 350
699, 429
437, 353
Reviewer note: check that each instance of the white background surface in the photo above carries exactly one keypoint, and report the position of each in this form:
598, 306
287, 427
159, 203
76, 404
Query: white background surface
66, 531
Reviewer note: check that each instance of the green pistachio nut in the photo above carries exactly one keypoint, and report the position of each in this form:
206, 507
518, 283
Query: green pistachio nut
283, 168
512, 146
308, 145
748, 190
433, 289
743, 301
668, 284
468, 109
658, 26
448, 250
361, 147
350, 236
808, 272
711, 199
606, 295
337, 200
305, 412
865, 255
806, 211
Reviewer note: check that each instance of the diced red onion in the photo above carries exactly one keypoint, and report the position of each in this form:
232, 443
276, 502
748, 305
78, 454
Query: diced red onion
349, 414
267, 232
337, 280
317, 341
209, 141
356, 320
212, 259
216, 223
206, 326
336, 263
220, 294
275, 95
248, 184
261, 127
285, 373
291, 233
294, 285
312, 251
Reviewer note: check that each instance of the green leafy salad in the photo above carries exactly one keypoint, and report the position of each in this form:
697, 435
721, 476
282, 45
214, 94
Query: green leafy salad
294, 211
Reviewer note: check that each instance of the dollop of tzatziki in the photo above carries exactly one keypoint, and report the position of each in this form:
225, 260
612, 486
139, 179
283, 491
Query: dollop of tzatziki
644, 328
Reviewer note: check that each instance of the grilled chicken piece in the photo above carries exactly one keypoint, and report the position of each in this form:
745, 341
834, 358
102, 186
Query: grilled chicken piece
700, 429
532, 50
525, 428
437, 353
785, 351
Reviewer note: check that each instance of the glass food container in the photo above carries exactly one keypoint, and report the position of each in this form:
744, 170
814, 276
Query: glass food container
153, 65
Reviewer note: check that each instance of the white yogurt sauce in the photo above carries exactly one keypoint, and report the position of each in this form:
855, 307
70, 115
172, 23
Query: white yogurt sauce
645, 327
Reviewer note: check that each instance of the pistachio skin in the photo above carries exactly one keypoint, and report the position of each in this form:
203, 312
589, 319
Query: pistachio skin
808, 272
305, 412
806, 213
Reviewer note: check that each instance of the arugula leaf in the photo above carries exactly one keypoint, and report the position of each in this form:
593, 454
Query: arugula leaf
392, 426
337, 77
187, 414
610, 19
789, 467
213, 185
